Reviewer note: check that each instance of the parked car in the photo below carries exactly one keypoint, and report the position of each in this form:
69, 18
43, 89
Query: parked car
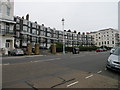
113, 61
99, 50
104, 49
113, 49
75, 51
16, 52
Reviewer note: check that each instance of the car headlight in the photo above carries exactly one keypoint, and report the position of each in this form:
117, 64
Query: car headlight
110, 61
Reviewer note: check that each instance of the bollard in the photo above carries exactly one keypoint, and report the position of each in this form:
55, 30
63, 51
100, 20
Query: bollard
53, 47
37, 49
29, 49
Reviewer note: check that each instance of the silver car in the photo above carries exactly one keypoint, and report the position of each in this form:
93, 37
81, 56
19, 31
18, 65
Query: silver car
17, 52
113, 61
113, 49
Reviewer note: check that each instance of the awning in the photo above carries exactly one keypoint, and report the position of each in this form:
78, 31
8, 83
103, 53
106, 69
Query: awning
8, 21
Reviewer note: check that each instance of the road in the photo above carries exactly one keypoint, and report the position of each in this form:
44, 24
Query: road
84, 70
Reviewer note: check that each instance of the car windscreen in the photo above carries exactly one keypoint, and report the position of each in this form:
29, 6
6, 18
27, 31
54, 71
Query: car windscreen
18, 49
117, 52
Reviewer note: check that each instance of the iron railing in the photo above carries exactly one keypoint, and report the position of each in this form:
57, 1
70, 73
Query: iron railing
5, 32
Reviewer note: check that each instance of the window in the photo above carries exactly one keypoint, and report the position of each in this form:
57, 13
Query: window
33, 38
25, 22
25, 36
18, 20
34, 31
48, 34
34, 25
17, 34
99, 43
25, 28
7, 27
112, 42
17, 26
37, 32
7, 44
107, 42
8, 11
29, 30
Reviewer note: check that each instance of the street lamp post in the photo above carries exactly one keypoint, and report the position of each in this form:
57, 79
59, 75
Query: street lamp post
63, 36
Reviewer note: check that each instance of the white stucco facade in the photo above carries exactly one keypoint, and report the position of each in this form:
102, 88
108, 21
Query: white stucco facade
107, 37
6, 25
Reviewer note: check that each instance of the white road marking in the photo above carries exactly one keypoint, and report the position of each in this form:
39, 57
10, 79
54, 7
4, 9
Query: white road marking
92, 54
99, 71
88, 76
105, 69
7, 64
78, 56
72, 84
15, 57
47, 60
35, 61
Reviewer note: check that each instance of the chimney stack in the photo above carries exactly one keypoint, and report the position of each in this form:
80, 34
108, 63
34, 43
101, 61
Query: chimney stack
27, 17
22, 17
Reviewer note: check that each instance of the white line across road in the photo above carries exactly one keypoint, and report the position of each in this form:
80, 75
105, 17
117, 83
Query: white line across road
72, 84
105, 69
17, 57
88, 76
78, 56
6, 64
34, 61
47, 60
99, 72
92, 54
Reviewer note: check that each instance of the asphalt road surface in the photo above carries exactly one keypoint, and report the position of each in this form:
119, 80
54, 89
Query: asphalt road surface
84, 70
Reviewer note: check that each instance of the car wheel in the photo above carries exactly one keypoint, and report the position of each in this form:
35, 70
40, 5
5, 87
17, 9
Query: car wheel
14, 54
107, 68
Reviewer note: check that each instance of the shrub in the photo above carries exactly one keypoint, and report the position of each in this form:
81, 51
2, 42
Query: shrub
59, 47
85, 48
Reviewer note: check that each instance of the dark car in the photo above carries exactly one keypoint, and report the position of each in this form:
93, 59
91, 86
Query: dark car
16, 52
75, 50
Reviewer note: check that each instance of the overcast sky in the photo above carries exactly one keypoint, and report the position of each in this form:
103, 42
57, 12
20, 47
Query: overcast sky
79, 16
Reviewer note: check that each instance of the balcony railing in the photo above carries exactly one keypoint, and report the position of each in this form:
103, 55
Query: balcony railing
6, 32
